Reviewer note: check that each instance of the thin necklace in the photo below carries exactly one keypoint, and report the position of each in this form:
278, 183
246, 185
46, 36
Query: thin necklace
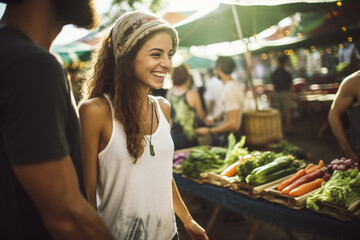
151, 146
147, 110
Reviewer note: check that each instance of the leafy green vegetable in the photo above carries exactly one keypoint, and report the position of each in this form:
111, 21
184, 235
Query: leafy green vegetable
220, 151
342, 188
286, 148
233, 153
200, 160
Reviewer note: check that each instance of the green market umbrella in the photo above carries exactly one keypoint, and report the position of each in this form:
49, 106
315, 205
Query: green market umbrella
233, 21
198, 62
74, 52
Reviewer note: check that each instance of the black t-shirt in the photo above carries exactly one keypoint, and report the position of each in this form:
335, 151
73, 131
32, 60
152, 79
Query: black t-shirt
281, 79
38, 123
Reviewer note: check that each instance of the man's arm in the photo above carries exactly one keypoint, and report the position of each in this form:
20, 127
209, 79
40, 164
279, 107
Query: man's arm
231, 125
54, 189
342, 101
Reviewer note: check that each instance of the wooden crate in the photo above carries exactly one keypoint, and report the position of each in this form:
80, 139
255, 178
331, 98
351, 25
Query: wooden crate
341, 213
216, 179
254, 192
273, 195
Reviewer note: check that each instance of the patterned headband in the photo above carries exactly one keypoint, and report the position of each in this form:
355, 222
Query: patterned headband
133, 26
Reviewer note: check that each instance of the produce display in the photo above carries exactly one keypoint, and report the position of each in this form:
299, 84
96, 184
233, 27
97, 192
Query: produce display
342, 188
280, 167
259, 159
310, 174
280, 175
342, 164
203, 160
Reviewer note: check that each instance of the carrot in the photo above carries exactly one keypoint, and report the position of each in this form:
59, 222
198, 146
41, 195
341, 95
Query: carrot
309, 166
306, 187
232, 169
316, 167
304, 179
291, 179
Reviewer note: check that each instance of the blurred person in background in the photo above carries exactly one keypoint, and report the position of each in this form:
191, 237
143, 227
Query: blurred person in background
126, 141
347, 99
186, 109
213, 88
282, 80
232, 101
41, 180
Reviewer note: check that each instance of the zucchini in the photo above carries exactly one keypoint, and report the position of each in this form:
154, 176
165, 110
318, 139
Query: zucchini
258, 180
276, 165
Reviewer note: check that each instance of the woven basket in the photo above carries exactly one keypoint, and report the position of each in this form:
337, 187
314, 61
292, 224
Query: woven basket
262, 127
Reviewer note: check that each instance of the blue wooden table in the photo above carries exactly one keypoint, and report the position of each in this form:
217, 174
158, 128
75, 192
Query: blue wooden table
303, 220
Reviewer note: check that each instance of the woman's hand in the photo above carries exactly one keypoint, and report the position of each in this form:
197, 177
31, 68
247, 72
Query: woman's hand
195, 231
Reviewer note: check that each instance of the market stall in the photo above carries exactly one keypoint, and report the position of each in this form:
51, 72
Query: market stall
298, 220
277, 185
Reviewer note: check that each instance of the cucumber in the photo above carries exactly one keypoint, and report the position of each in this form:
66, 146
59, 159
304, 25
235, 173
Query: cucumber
278, 164
262, 179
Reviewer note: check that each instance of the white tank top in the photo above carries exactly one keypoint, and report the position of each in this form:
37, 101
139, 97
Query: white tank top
135, 200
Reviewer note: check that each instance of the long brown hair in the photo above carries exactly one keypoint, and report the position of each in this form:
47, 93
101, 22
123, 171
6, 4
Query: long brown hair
119, 82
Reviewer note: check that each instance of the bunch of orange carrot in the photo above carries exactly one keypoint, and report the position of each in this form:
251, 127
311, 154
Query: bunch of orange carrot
304, 180
232, 169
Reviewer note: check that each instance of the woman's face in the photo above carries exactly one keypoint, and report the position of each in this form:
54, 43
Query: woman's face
154, 60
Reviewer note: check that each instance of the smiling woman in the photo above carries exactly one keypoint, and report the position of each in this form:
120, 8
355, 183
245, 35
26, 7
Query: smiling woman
126, 137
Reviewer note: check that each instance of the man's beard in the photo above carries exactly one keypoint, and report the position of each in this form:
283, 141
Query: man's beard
80, 13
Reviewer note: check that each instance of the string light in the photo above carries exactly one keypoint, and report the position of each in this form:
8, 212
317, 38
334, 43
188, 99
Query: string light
271, 54
339, 3
341, 46
264, 56
306, 52
299, 35
287, 32
312, 48
328, 50
350, 39
343, 29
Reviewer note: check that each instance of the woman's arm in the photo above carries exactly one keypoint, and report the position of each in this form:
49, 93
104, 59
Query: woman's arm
195, 231
91, 121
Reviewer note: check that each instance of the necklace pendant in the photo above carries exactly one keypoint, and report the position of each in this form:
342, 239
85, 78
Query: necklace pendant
152, 152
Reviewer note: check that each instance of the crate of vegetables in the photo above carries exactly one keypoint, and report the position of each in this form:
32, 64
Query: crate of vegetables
293, 190
262, 171
339, 197
207, 163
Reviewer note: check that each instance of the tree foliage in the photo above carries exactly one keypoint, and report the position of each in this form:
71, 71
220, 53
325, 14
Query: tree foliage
152, 5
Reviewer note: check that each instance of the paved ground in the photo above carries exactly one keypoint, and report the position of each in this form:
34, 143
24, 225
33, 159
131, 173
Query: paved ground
231, 226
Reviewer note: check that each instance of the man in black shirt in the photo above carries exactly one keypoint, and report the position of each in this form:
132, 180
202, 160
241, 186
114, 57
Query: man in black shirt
41, 183
282, 80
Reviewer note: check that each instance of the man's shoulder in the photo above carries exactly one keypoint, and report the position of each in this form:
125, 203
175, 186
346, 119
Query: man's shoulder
17, 48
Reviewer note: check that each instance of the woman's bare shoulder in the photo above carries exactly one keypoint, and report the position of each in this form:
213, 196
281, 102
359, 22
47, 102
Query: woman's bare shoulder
94, 107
